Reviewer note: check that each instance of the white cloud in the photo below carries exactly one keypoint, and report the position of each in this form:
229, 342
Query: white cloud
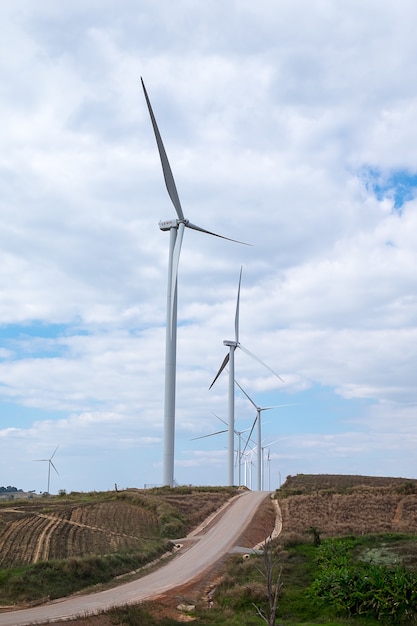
274, 117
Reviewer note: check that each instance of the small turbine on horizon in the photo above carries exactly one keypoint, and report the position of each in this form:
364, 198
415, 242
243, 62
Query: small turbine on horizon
238, 433
50, 464
258, 420
230, 359
176, 229
268, 445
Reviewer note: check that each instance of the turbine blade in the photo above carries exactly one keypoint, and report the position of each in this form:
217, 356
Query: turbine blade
237, 432
50, 462
175, 263
54, 452
166, 168
219, 432
237, 309
222, 366
259, 361
250, 434
219, 418
248, 397
276, 406
237, 459
276, 441
209, 232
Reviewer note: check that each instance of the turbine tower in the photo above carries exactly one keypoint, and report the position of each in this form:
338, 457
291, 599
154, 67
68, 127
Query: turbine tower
230, 359
176, 229
258, 421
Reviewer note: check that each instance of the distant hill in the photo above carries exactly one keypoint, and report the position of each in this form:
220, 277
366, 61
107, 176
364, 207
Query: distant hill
348, 504
309, 483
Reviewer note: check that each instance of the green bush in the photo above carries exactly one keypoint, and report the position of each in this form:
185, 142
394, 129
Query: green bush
388, 594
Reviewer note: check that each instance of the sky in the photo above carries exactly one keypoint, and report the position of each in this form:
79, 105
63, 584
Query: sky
290, 125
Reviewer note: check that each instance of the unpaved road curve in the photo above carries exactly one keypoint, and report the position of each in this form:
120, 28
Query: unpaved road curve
206, 550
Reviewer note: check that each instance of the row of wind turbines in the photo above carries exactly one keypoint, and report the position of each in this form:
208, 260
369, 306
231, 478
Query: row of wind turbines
176, 229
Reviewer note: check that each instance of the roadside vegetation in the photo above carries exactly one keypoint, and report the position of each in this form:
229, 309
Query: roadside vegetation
369, 580
347, 556
360, 581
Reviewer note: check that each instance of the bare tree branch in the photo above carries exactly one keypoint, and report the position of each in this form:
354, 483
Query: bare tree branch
273, 583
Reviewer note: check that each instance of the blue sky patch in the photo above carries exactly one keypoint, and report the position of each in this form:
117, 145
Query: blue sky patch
399, 185
36, 339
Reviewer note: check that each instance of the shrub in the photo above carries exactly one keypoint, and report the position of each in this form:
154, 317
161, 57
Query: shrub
373, 590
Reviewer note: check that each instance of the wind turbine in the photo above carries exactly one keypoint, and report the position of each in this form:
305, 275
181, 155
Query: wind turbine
230, 359
248, 464
239, 434
258, 420
50, 464
268, 445
176, 229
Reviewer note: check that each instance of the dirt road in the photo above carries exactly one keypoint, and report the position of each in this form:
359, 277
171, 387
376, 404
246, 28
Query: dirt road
206, 549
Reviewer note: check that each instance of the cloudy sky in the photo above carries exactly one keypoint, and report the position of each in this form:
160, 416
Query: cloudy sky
290, 125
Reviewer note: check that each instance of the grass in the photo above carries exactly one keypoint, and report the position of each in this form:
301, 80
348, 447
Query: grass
339, 504
242, 586
370, 510
90, 538
56, 579
138, 615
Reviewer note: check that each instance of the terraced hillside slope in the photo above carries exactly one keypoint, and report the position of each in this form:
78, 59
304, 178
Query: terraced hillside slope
78, 525
338, 505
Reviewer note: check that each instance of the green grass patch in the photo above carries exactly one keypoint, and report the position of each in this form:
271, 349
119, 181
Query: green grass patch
138, 614
349, 583
56, 579
303, 564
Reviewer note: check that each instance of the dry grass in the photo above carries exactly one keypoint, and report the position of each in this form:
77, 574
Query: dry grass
343, 505
340, 483
334, 504
100, 523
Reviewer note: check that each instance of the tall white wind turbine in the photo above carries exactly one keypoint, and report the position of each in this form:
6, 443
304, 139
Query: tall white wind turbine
176, 229
230, 359
258, 421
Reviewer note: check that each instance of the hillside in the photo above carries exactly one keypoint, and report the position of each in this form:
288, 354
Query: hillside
332, 505
343, 504
78, 525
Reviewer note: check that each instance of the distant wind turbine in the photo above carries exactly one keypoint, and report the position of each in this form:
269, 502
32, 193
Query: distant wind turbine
230, 359
268, 445
258, 420
248, 464
50, 464
239, 434
176, 229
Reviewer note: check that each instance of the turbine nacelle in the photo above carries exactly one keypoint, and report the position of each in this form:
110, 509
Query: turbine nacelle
168, 224
230, 344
